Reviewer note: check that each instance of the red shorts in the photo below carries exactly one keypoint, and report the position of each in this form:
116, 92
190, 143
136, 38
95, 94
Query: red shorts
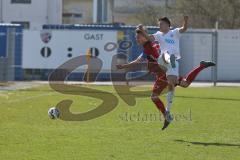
161, 79
160, 84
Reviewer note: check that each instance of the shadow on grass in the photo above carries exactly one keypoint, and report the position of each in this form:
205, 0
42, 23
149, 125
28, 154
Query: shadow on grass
210, 98
147, 94
208, 144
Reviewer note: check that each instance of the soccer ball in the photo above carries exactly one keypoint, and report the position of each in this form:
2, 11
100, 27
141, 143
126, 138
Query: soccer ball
53, 113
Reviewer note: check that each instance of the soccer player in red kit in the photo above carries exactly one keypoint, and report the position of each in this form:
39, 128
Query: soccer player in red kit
151, 53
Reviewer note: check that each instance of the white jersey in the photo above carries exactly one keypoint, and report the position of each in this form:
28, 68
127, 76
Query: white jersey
169, 42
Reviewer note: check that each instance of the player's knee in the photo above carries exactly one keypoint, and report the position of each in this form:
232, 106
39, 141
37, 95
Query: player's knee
172, 81
154, 98
184, 84
171, 86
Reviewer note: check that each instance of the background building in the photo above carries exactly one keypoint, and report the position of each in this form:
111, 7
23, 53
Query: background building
196, 44
35, 13
108, 11
134, 11
31, 13
87, 11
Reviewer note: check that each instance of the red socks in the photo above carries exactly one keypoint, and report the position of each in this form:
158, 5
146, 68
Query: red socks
159, 105
193, 74
158, 87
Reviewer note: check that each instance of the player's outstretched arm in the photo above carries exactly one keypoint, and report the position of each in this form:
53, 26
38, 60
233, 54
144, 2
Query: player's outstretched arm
185, 25
131, 64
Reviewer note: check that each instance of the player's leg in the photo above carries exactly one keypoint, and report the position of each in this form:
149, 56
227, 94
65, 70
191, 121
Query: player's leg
171, 88
185, 82
172, 66
172, 78
158, 88
165, 60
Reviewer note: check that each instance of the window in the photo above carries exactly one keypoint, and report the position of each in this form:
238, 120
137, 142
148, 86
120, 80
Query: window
72, 15
26, 25
21, 1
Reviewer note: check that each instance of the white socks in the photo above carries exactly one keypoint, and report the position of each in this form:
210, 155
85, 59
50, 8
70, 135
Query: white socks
170, 96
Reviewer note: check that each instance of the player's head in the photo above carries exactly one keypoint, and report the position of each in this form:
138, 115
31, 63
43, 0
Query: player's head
164, 24
140, 38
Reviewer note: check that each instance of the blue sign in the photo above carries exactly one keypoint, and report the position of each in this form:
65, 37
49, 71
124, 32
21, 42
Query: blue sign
3, 42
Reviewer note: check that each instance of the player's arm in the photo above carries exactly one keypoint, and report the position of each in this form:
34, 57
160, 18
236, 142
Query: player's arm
131, 64
185, 25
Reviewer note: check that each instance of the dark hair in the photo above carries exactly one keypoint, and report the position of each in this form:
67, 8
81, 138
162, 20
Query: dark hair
165, 19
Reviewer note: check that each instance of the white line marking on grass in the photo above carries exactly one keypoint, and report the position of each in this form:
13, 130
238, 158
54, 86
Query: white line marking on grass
5, 96
30, 98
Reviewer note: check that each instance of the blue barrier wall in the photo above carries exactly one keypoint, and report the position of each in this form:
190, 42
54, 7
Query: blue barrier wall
20, 73
3, 41
15, 43
129, 35
18, 54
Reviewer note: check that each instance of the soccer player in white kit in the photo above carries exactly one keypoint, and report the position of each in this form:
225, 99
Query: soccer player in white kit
169, 43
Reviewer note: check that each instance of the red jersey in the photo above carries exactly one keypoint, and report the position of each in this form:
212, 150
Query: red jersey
151, 52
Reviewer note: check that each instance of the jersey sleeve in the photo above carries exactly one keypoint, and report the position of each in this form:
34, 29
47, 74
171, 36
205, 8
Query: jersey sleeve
176, 32
156, 36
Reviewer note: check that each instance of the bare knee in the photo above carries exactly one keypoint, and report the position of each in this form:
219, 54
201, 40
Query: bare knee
154, 97
171, 86
184, 84
172, 81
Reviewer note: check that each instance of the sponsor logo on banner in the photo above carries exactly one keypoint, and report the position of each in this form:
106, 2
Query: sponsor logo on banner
46, 36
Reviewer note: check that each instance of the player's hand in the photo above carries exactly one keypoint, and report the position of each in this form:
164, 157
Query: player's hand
185, 18
120, 66
140, 27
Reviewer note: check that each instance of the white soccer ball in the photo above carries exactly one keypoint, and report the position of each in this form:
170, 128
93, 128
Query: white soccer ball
53, 113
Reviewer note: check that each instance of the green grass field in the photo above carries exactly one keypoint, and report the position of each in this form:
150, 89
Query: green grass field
206, 127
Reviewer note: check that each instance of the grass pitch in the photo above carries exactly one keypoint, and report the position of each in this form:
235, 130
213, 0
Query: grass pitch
206, 126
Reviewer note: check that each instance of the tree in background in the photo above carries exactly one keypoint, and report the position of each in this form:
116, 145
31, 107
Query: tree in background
205, 13
202, 13
148, 14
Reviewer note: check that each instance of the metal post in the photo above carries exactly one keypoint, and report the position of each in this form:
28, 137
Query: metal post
95, 11
166, 7
11, 33
47, 7
102, 11
215, 53
1, 20
112, 10
215, 58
